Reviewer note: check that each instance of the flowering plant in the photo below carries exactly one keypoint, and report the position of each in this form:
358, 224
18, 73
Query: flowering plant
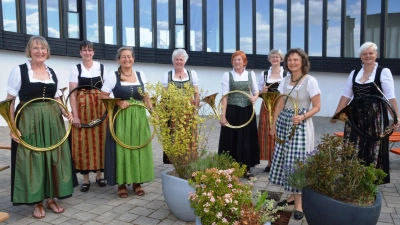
220, 198
335, 170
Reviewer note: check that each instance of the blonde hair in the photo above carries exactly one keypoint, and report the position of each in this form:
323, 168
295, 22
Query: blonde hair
38, 39
367, 45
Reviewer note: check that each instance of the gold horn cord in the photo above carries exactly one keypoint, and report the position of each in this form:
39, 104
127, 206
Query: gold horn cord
110, 104
269, 100
5, 113
296, 108
211, 101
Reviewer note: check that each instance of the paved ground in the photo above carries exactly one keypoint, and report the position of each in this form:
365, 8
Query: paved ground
102, 206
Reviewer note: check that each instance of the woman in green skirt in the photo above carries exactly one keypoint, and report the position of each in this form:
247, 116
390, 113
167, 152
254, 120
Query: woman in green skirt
124, 166
38, 175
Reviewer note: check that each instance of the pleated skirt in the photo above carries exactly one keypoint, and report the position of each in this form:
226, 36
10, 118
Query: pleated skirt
265, 141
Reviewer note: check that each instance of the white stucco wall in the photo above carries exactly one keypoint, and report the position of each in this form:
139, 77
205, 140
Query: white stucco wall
331, 84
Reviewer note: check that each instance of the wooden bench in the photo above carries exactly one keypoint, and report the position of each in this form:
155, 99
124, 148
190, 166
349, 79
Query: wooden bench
395, 151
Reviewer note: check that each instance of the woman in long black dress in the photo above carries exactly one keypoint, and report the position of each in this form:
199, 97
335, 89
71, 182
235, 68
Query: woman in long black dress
242, 143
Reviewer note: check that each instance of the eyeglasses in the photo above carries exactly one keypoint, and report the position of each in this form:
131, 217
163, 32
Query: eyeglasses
126, 57
275, 57
36, 49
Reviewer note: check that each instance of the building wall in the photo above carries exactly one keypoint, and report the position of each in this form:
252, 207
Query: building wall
331, 84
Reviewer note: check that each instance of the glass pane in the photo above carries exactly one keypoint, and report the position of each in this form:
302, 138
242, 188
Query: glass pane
280, 25
212, 25
9, 15
297, 21
162, 25
53, 24
373, 22
92, 20
196, 31
179, 11
246, 31
72, 7
146, 33
262, 27
393, 30
229, 28
128, 25
110, 23
179, 36
333, 34
32, 17
315, 28
73, 25
352, 28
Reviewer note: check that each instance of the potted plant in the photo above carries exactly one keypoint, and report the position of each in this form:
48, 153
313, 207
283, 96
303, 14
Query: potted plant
337, 188
179, 129
220, 198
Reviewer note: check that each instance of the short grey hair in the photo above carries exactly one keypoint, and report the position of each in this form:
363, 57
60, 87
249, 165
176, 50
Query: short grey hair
276, 52
180, 51
37, 39
123, 49
367, 45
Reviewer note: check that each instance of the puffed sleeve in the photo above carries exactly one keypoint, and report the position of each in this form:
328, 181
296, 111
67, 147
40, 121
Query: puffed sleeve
387, 83
225, 83
73, 76
261, 81
312, 87
254, 86
348, 89
165, 80
59, 85
281, 84
14, 82
195, 78
109, 82
144, 80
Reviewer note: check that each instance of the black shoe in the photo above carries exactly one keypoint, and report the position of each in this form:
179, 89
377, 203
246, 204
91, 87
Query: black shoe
101, 182
298, 215
267, 169
249, 176
85, 187
284, 203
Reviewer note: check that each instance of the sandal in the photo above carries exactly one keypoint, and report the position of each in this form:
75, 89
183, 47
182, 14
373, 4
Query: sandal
122, 193
101, 182
138, 189
40, 207
85, 187
55, 205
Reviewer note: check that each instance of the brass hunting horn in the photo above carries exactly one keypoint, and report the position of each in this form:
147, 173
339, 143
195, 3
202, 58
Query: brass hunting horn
110, 104
296, 108
5, 113
269, 103
211, 101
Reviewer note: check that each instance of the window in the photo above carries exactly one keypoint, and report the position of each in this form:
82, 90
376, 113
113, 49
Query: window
162, 25
110, 22
32, 17
334, 28
128, 25
246, 28
315, 28
393, 30
92, 20
280, 25
196, 23
146, 28
179, 27
213, 26
9, 15
229, 27
262, 27
352, 28
73, 19
53, 24
373, 22
297, 24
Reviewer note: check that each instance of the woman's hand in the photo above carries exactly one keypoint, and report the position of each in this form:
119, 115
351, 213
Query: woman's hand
264, 89
253, 99
123, 104
223, 121
297, 119
14, 137
69, 117
396, 126
76, 122
272, 131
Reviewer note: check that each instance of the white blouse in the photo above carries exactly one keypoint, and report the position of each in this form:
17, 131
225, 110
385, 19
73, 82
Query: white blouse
14, 80
238, 77
386, 81
195, 79
261, 81
94, 71
111, 80
312, 86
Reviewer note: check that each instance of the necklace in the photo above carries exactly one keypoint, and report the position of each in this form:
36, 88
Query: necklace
294, 81
276, 73
127, 75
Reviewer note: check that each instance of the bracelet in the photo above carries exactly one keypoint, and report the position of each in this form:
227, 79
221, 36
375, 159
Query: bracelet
304, 116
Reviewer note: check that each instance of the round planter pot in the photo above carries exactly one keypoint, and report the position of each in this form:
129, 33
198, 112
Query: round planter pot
176, 194
198, 221
321, 209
